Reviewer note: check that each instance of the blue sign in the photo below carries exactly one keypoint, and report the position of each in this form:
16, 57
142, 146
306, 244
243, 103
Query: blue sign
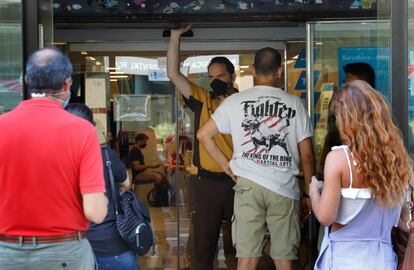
378, 58
301, 61
301, 84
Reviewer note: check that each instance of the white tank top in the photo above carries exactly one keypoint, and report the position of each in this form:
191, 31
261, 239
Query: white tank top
352, 199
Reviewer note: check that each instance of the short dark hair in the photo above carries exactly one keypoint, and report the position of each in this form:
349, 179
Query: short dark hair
80, 110
46, 70
267, 61
141, 137
222, 60
363, 71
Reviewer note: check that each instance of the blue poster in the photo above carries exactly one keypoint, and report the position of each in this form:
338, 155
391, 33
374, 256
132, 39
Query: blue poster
378, 58
301, 83
301, 61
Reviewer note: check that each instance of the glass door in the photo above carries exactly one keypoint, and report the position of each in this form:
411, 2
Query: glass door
333, 45
11, 55
130, 94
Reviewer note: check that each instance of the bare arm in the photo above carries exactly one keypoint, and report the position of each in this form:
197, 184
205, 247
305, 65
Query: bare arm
307, 158
140, 167
126, 185
205, 136
95, 206
173, 62
325, 205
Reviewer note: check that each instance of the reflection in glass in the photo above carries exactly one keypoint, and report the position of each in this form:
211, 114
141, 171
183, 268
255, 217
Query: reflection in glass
140, 99
337, 44
11, 83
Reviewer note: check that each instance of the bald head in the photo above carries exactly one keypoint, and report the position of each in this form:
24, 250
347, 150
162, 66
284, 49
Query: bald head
267, 61
46, 70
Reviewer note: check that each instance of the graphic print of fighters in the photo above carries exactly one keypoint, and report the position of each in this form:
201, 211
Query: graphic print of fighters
266, 122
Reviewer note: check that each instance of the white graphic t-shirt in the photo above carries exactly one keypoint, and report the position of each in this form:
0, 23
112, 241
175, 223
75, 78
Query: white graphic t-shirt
266, 125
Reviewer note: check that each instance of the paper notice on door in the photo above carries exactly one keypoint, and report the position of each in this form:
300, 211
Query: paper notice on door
95, 93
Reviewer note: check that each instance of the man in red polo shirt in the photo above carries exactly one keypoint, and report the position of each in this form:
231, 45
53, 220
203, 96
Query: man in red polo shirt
51, 174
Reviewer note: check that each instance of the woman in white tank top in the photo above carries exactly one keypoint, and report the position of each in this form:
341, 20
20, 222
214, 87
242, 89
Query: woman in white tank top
364, 183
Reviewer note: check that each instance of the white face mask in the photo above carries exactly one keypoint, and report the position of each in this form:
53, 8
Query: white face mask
66, 102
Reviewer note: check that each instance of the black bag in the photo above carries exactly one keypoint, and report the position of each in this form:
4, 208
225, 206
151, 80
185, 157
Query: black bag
133, 224
133, 221
159, 196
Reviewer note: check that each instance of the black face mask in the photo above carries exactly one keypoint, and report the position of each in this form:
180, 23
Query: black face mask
219, 88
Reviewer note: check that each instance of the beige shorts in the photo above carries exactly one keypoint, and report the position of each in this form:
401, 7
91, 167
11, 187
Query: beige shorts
258, 210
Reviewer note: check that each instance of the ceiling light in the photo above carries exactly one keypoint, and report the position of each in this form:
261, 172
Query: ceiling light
84, 53
98, 63
118, 76
111, 68
244, 66
116, 72
113, 80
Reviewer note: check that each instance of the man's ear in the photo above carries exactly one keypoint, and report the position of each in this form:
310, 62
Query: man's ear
67, 84
279, 72
233, 77
253, 69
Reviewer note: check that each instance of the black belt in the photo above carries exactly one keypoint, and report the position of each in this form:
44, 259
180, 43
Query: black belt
202, 172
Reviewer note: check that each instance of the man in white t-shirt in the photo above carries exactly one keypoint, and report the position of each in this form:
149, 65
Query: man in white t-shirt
271, 135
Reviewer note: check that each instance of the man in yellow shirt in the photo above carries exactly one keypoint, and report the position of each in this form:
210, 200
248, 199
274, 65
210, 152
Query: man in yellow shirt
213, 191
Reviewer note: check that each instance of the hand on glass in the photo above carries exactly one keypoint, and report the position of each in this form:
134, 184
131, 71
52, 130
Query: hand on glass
181, 30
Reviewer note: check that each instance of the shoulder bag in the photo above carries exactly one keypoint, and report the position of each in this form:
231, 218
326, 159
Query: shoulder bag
133, 222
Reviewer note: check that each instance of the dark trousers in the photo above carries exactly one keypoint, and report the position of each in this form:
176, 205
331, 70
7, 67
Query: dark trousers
212, 197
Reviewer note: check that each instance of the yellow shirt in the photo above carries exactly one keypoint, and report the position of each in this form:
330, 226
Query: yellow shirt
203, 107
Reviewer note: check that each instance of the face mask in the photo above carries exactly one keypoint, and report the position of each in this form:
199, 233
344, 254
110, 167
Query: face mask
144, 145
219, 88
66, 102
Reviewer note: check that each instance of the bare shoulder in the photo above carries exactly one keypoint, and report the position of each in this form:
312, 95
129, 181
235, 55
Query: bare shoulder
335, 154
335, 160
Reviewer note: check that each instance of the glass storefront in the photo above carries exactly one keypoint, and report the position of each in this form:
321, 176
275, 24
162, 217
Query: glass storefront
11, 59
336, 44
129, 93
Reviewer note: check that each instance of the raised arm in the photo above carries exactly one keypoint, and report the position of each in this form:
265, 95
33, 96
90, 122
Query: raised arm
173, 62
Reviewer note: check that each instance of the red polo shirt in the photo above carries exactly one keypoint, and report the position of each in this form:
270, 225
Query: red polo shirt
48, 159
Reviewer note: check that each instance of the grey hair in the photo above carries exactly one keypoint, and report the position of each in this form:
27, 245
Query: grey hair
46, 70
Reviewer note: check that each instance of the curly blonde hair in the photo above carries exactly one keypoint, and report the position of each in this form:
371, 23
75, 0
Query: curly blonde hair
366, 126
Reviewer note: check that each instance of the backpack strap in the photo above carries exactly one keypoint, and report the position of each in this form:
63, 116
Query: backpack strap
111, 178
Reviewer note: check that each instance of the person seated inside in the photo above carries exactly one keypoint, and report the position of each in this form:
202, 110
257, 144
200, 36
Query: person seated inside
141, 172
